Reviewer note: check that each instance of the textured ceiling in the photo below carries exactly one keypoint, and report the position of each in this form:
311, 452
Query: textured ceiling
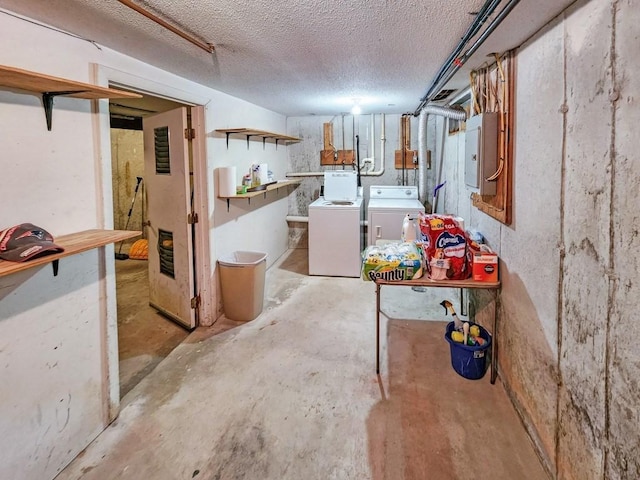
298, 57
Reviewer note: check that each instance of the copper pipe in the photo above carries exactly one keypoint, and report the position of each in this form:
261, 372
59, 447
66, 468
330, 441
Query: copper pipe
207, 47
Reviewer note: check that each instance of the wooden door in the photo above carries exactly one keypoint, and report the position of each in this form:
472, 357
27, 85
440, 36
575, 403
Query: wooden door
168, 187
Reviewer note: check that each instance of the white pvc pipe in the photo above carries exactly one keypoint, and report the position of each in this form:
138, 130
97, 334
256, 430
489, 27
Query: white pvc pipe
383, 139
299, 219
374, 173
372, 159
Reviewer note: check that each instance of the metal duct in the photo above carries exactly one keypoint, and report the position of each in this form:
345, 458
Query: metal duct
422, 141
422, 155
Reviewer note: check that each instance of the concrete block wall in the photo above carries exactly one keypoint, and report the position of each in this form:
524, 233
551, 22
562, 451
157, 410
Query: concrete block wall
569, 300
622, 358
305, 157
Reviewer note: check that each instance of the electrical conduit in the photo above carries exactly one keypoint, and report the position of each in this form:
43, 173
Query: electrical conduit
456, 60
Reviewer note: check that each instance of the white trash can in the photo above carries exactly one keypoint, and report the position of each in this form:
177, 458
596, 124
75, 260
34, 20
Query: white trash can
242, 284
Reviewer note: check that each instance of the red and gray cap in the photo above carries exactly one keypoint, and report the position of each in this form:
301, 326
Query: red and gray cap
26, 241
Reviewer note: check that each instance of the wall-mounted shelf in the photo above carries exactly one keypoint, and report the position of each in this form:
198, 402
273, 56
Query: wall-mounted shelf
249, 195
72, 244
50, 87
250, 132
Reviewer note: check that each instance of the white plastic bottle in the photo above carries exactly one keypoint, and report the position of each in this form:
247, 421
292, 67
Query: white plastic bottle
408, 229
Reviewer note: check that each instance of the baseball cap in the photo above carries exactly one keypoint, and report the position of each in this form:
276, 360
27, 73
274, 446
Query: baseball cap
26, 241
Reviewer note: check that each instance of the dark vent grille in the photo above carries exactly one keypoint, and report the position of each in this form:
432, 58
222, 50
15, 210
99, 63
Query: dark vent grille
161, 139
442, 94
165, 248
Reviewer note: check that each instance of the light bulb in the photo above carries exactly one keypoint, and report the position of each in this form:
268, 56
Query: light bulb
356, 110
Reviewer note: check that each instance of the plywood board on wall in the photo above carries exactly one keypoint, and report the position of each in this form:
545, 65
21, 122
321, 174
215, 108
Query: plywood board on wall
409, 157
344, 157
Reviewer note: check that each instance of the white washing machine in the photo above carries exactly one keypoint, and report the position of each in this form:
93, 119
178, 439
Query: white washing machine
387, 207
335, 245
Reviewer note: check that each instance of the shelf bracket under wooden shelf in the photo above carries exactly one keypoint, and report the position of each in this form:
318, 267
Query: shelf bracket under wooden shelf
47, 103
49, 87
264, 189
248, 133
72, 244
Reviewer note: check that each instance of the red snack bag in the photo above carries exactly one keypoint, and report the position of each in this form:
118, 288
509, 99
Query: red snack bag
444, 245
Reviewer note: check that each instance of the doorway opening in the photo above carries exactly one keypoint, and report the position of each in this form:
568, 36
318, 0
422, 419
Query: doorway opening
145, 336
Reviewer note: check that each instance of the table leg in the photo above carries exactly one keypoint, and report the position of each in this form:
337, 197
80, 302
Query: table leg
494, 342
377, 328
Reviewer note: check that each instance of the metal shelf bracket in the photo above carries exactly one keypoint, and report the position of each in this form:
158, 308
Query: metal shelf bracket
47, 103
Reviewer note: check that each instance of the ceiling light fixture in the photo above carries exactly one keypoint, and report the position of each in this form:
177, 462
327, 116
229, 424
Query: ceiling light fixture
356, 109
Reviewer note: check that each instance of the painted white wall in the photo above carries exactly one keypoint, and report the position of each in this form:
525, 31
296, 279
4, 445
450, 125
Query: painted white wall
258, 224
58, 343
51, 357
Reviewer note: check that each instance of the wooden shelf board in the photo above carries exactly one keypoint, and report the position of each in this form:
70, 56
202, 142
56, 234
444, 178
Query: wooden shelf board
275, 186
72, 244
40, 83
257, 133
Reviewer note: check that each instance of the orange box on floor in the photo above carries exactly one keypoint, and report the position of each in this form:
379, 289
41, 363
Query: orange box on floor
484, 265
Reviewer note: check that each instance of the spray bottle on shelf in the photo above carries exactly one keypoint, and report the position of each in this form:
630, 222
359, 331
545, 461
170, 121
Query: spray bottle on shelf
409, 229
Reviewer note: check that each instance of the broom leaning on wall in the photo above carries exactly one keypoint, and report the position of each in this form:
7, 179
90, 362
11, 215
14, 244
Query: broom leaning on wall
141, 249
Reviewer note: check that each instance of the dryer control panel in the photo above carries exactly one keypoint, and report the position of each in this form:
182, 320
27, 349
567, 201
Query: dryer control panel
393, 192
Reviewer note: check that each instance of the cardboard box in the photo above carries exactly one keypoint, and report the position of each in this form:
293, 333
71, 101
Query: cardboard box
484, 265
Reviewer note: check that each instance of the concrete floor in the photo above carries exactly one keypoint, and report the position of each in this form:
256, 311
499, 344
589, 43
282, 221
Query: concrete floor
293, 394
144, 336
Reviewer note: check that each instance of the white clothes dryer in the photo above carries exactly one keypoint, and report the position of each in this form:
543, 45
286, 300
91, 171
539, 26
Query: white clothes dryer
387, 207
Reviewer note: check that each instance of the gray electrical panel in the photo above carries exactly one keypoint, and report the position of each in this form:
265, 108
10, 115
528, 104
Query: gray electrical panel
481, 152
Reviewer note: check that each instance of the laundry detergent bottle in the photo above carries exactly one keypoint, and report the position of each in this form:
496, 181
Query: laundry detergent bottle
409, 229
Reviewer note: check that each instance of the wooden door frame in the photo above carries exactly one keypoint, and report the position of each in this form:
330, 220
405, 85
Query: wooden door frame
106, 76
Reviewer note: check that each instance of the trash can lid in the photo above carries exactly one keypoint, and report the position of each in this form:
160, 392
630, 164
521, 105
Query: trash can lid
240, 258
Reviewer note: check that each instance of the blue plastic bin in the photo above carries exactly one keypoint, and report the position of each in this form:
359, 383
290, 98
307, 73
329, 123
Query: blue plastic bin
469, 362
